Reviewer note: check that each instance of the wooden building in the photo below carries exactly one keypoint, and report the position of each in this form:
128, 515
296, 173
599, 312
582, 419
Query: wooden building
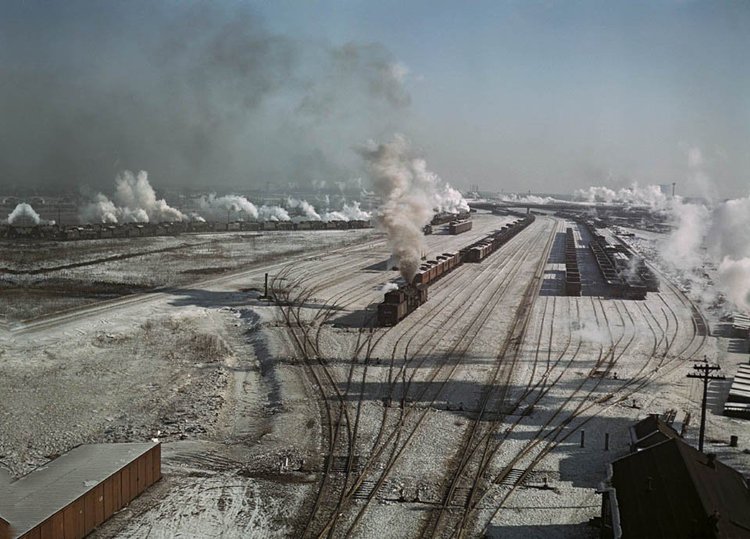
671, 489
72, 495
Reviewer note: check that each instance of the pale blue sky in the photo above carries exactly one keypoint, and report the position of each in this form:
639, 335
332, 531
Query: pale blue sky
515, 95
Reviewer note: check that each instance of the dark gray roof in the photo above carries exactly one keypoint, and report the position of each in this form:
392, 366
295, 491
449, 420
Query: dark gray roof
673, 490
35, 497
650, 431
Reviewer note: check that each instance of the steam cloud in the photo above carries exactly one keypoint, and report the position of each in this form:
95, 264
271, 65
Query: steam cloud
23, 212
217, 208
134, 202
410, 194
723, 227
349, 212
649, 195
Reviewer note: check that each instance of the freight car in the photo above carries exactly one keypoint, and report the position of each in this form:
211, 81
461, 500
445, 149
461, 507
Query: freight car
459, 227
623, 273
445, 217
478, 251
572, 274
399, 303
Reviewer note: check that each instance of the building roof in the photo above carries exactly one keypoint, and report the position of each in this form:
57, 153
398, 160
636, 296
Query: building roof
650, 431
673, 490
35, 497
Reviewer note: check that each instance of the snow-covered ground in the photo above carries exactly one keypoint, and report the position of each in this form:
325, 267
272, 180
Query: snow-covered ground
221, 378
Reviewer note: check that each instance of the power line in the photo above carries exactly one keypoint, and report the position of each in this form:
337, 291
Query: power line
703, 372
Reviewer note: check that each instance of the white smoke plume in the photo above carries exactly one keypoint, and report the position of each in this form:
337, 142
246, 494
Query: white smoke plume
728, 240
272, 213
307, 209
23, 213
238, 207
347, 213
682, 247
408, 193
387, 287
134, 202
532, 199
723, 227
648, 195
450, 200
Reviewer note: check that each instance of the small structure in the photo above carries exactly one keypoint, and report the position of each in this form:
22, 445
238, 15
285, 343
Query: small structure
649, 432
78, 491
673, 490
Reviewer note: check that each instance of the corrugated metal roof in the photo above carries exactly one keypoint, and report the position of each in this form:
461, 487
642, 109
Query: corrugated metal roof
35, 497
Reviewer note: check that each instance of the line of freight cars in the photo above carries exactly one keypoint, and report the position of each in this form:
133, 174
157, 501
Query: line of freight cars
134, 230
626, 275
572, 273
399, 303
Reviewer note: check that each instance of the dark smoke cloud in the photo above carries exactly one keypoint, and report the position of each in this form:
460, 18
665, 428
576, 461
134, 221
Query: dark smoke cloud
196, 93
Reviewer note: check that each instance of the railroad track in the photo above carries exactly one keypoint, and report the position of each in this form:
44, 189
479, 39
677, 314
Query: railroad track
643, 377
664, 324
445, 369
394, 438
309, 349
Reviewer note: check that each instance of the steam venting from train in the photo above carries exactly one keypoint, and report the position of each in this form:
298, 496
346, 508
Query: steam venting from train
24, 214
409, 195
134, 202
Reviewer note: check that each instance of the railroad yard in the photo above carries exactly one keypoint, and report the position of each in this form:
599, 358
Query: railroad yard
491, 409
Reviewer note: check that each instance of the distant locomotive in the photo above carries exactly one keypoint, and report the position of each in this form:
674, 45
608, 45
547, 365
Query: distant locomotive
399, 303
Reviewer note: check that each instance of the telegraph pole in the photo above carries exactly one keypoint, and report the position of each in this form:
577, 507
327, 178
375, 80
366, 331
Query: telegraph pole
703, 372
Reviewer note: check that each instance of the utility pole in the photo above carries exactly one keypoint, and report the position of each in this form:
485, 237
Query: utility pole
703, 372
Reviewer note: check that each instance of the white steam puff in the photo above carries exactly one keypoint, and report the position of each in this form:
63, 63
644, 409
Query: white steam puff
272, 213
531, 199
725, 229
409, 194
347, 213
308, 211
728, 240
24, 214
134, 202
649, 195
238, 207
449, 200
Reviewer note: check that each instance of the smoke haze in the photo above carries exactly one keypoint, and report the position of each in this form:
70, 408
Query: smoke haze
198, 94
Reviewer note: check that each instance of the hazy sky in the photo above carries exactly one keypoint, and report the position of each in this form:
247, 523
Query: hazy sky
542, 96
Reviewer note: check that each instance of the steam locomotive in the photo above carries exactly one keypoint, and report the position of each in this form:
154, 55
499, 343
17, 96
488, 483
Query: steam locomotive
398, 304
